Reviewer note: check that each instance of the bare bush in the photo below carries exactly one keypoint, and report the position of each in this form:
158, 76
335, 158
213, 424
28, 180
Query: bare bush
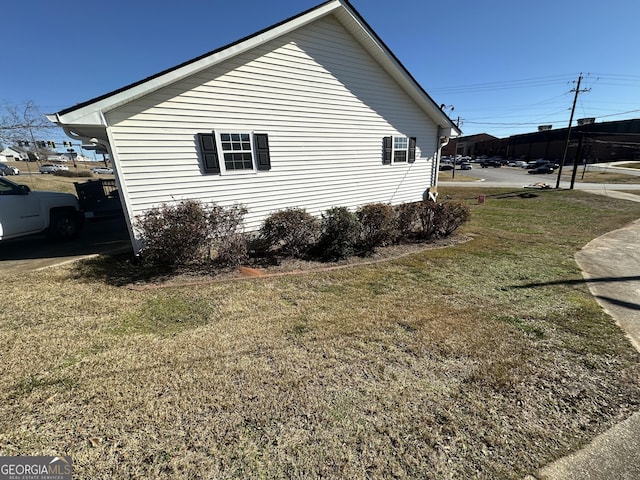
228, 242
174, 235
378, 226
454, 215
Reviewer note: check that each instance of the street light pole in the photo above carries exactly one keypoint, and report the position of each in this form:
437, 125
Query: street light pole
455, 152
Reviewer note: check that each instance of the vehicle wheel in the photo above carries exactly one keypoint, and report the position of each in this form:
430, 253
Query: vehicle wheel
64, 226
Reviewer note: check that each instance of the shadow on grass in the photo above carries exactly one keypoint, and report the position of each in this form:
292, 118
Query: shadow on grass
118, 270
621, 303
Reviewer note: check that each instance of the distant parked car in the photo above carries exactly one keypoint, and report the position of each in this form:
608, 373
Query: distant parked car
445, 166
47, 168
516, 163
8, 170
491, 163
465, 166
51, 167
102, 170
542, 169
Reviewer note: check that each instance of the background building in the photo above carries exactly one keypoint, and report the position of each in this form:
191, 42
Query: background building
600, 142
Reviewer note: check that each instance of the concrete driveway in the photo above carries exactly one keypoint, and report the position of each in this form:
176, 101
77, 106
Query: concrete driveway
35, 252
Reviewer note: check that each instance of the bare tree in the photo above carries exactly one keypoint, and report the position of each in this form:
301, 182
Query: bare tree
22, 123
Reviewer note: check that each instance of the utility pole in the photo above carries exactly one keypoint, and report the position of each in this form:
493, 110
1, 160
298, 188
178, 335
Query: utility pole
455, 151
573, 109
575, 161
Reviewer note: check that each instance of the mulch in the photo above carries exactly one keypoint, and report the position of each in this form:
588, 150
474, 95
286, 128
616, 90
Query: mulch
283, 266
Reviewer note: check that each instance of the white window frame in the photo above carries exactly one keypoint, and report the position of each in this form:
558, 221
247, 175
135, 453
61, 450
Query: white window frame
221, 152
394, 150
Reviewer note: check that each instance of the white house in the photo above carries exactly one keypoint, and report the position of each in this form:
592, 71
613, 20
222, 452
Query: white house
314, 112
15, 154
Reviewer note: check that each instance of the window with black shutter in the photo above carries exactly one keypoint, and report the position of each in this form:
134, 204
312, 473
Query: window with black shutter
227, 152
398, 150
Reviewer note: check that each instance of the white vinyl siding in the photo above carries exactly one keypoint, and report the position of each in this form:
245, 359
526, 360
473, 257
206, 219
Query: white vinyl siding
326, 106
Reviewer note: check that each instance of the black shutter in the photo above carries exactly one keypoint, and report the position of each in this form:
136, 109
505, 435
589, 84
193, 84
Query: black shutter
387, 150
210, 162
412, 149
263, 160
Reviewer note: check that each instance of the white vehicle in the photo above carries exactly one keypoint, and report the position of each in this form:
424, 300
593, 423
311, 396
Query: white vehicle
51, 167
25, 212
47, 168
105, 170
8, 170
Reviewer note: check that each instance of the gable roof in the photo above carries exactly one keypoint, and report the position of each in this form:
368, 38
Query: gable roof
91, 111
19, 150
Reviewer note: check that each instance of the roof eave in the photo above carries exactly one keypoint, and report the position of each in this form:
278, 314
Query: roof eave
92, 112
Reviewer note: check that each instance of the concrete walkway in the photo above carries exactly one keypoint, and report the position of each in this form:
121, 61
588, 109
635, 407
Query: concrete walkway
611, 267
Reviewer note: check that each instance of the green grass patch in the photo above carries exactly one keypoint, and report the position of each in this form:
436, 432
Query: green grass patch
166, 315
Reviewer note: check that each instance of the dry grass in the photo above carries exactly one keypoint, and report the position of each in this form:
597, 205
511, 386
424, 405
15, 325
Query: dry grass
630, 165
460, 177
482, 360
595, 176
37, 181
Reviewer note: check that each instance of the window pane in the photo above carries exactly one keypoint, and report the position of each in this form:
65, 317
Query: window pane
400, 156
225, 137
400, 143
238, 161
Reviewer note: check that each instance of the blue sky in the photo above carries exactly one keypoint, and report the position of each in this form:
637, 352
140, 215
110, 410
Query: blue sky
505, 66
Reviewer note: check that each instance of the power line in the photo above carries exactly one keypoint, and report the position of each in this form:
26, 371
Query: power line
502, 85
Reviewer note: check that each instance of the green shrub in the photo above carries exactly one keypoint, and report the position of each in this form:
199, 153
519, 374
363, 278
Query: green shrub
228, 242
292, 231
378, 226
174, 235
340, 230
